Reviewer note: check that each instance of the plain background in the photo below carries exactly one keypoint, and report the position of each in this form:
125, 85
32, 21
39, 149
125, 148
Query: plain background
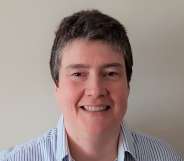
156, 30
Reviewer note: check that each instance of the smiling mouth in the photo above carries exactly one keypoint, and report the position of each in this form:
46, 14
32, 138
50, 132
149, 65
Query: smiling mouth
99, 108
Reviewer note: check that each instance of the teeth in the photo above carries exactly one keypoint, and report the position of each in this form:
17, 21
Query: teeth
95, 108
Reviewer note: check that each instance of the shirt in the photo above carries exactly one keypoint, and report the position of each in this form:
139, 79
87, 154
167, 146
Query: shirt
53, 146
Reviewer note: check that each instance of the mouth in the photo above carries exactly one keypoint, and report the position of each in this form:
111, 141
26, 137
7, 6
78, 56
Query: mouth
99, 108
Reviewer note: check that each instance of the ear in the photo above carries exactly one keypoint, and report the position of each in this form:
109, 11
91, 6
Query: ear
128, 89
57, 92
56, 87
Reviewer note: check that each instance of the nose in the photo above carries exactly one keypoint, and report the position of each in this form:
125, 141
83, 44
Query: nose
95, 87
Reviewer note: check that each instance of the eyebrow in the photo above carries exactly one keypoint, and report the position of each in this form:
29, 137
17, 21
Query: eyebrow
84, 66
117, 65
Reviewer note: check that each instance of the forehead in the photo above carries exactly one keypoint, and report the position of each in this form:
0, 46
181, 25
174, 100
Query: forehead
90, 53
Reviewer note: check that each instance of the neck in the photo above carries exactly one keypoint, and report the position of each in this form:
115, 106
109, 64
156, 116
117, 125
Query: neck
98, 148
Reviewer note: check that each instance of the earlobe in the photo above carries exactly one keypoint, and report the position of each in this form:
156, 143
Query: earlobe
128, 89
56, 90
56, 87
58, 98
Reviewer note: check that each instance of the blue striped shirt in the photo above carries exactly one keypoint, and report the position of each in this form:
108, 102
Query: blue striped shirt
53, 146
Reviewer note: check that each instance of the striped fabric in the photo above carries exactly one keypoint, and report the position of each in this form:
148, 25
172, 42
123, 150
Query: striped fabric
53, 146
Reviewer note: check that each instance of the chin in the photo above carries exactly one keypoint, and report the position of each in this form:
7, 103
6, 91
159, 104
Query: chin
99, 128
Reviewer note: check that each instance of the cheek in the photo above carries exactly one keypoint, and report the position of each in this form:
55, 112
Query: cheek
120, 97
120, 91
69, 93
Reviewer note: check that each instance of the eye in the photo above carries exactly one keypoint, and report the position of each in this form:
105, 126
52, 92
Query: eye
76, 74
112, 75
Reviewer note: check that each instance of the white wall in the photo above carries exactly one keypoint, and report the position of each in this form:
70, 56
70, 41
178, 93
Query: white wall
156, 31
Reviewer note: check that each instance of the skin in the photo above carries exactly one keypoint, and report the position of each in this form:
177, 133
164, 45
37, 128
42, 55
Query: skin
92, 73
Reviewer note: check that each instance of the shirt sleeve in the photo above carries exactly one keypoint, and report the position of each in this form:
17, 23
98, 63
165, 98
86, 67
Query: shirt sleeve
4, 154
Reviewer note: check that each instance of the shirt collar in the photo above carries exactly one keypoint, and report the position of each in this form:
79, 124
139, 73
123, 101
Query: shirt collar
62, 144
126, 142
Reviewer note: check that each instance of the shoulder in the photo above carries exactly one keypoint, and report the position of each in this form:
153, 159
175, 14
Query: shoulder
151, 148
31, 149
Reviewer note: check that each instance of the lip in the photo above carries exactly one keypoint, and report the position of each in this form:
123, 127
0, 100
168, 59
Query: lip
101, 105
95, 105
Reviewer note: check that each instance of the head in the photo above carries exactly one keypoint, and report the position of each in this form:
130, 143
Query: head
91, 65
90, 25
